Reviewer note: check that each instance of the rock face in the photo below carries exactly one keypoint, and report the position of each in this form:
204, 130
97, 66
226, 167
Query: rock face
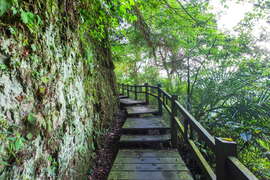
56, 96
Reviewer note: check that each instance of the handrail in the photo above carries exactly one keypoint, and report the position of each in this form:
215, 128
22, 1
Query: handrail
227, 164
239, 171
208, 138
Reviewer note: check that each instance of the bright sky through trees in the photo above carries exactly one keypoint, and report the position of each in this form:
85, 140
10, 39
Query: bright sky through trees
229, 17
231, 12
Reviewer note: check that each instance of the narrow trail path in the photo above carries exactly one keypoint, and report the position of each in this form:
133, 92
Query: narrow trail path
151, 156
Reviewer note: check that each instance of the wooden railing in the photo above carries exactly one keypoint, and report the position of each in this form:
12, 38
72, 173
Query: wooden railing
184, 125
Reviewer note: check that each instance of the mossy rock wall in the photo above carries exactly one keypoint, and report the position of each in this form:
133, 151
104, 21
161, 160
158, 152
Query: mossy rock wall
56, 100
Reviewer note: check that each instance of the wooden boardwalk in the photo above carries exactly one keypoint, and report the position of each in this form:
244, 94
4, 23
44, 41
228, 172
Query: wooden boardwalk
144, 126
147, 139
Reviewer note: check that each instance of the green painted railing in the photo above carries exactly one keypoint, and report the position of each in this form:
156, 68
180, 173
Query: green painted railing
227, 166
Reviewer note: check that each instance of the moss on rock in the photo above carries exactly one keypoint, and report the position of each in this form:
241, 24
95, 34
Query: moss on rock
52, 100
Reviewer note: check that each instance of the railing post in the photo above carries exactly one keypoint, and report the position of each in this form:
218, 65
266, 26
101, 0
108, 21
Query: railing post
173, 122
224, 149
186, 128
128, 90
122, 88
159, 99
146, 93
136, 96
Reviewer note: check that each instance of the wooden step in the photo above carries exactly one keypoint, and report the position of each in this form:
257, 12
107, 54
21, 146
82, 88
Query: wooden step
149, 164
148, 175
149, 167
131, 102
138, 110
147, 153
147, 122
122, 96
126, 139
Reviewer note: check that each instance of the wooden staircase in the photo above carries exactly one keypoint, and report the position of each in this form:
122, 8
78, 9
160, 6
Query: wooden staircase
145, 151
148, 144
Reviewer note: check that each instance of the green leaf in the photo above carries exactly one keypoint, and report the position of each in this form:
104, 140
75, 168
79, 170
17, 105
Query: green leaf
31, 118
3, 67
27, 17
19, 144
29, 136
4, 6
14, 10
264, 144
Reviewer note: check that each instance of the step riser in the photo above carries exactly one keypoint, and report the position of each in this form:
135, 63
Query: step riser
144, 145
145, 131
138, 114
134, 104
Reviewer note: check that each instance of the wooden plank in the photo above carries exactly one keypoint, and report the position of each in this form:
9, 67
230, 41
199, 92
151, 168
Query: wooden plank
122, 96
142, 175
166, 94
238, 171
151, 160
180, 125
150, 122
201, 160
149, 164
131, 102
148, 153
149, 167
144, 138
137, 110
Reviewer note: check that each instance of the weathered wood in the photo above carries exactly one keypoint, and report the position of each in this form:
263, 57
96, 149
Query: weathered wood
224, 149
159, 99
144, 138
150, 175
122, 96
137, 110
148, 153
128, 90
149, 122
146, 93
201, 161
237, 170
148, 160
173, 122
130, 102
149, 167
123, 88
149, 164
203, 133
166, 94
180, 125
136, 95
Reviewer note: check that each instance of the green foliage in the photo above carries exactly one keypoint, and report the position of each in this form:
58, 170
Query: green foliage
264, 144
31, 20
3, 67
15, 144
4, 6
12, 142
222, 79
31, 119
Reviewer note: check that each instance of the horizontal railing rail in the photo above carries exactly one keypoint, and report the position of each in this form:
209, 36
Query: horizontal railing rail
227, 166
